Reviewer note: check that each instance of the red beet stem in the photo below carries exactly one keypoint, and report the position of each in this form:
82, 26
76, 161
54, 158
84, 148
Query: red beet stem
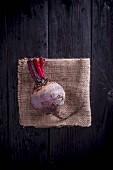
41, 61
37, 66
29, 63
35, 71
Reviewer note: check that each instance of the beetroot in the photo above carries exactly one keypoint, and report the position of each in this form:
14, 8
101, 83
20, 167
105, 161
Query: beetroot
47, 97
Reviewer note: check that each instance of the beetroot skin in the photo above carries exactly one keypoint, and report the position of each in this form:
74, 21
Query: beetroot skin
50, 98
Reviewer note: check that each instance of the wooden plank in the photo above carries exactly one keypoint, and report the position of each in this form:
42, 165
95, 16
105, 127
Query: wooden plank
102, 75
69, 29
3, 89
27, 35
70, 37
102, 72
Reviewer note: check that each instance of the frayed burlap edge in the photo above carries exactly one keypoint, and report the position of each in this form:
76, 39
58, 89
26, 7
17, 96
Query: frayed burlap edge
83, 119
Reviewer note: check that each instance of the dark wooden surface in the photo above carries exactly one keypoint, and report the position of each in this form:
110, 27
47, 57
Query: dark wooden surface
56, 29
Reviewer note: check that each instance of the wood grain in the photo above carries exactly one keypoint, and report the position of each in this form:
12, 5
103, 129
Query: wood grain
4, 148
83, 146
26, 36
102, 77
102, 63
70, 25
69, 29
56, 29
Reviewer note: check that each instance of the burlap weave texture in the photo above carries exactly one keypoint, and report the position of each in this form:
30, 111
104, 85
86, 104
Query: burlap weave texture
74, 76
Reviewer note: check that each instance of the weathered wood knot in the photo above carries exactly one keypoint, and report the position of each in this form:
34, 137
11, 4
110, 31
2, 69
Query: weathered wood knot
108, 2
110, 96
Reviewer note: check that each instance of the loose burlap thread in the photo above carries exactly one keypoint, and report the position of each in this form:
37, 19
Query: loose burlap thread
74, 76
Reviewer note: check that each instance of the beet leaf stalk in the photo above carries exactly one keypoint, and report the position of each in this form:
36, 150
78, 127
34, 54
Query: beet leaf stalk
36, 69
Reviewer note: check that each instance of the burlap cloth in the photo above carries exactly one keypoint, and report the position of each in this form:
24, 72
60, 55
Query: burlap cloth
74, 76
